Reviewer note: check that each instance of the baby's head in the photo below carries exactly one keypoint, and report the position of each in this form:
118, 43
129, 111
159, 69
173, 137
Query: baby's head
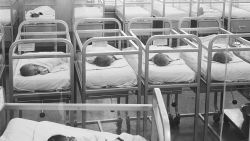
161, 59
61, 138
222, 57
103, 60
33, 69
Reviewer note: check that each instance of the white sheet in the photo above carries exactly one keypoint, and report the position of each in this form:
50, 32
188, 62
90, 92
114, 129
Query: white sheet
176, 72
237, 69
59, 78
88, 12
118, 74
28, 130
5, 16
134, 11
48, 13
170, 12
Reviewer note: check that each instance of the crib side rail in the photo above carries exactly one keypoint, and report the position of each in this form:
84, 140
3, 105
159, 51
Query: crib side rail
133, 21
95, 20
160, 120
36, 22
187, 20
91, 3
2, 41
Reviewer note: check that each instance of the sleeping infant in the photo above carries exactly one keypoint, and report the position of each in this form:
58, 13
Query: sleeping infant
42, 66
222, 57
33, 69
161, 59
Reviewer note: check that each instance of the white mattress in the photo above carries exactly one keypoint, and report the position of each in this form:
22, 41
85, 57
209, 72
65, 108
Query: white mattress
59, 78
118, 74
170, 12
133, 12
88, 12
5, 16
177, 71
48, 13
237, 69
28, 130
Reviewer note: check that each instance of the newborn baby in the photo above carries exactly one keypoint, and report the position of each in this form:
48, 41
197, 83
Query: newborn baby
161, 59
33, 69
222, 57
103, 60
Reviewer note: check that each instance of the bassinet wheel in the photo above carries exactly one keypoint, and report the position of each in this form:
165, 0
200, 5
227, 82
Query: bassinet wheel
234, 102
174, 104
42, 114
216, 118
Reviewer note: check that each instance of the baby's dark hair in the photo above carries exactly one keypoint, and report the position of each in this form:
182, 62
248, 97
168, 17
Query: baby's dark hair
161, 59
57, 138
25, 70
103, 60
222, 57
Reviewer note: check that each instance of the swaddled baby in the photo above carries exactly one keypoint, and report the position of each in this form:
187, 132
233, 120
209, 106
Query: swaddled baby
222, 57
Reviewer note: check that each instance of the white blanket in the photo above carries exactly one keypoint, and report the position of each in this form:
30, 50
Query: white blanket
133, 12
177, 71
28, 130
88, 12
118, 74
5, 16
47, 13
237, 69
58, 78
